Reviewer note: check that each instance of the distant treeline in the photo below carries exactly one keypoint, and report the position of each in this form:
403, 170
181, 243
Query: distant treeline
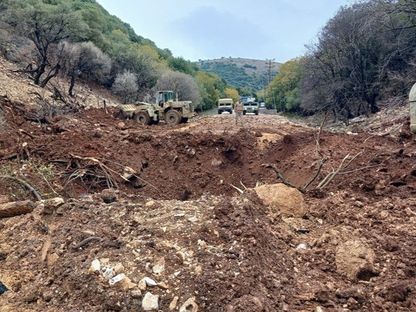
364, 55
237, 76
80, 40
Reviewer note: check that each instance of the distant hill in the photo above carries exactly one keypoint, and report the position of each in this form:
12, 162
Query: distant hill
241, 72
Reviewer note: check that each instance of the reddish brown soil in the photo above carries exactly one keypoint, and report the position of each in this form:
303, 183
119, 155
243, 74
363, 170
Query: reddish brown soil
186, 164
247, 256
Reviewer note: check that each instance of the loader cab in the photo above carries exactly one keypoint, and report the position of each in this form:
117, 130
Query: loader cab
163, 97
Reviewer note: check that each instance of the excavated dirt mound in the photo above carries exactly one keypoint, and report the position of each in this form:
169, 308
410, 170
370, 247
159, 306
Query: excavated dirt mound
181, 208
184, 162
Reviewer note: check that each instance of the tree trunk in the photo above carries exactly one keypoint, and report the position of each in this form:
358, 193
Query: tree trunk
38, 73
71, 86
52, 73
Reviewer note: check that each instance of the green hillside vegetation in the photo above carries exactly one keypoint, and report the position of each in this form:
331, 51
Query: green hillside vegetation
41, 34
364, 56
245, 74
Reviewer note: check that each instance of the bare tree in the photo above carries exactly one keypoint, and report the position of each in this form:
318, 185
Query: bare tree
45, 26
184, 85
126, 86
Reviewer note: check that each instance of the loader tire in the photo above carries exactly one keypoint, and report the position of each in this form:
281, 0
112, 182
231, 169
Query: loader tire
143, 118
173, 117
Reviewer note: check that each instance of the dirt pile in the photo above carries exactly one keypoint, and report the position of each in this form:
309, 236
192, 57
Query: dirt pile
178, 230
93, 150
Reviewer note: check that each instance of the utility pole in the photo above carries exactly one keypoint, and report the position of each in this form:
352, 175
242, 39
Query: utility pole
269, 76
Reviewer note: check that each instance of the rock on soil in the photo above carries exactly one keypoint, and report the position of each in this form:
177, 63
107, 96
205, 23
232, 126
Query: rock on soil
13, 209
282, 198
355, 260
189, 306
150, 302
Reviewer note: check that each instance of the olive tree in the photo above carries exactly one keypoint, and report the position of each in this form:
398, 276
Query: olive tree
184, 85
45, 25
126, 86
350, 66
84, 60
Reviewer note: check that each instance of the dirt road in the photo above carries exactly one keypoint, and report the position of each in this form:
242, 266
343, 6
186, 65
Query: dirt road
180, 221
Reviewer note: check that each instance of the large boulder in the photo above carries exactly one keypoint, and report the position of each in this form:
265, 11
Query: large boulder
282, 198
355, 260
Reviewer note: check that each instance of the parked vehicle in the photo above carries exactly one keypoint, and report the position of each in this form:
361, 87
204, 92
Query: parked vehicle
251, 107
225, 105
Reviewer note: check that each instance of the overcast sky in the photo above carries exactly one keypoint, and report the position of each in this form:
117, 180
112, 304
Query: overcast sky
206, 29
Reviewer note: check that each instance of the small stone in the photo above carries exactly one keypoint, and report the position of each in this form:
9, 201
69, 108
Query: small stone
136, 293
95, 266
116, 279
52, 205
174, 303
51, 259
198, 270
108, 196
150, 203
142, 285
163, 285
127, 284
150, 302
216, 163
150, 282
108, 273
129, 174
159, 267
119, 268
302, 247
189, 306
319, 309
121, 125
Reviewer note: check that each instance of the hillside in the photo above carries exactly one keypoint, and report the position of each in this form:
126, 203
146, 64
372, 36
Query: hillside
241, 72
79, 40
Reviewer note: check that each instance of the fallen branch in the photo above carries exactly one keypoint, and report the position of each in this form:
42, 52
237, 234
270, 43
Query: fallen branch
242, 184
345, 163
25, 184
86, 241
281, 177
238, 189
318, 171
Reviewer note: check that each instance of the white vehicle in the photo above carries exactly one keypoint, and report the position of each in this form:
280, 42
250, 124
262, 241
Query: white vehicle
225, 105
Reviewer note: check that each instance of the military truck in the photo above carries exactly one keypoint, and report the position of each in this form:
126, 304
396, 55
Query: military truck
251, 107
225, 105
167, 108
